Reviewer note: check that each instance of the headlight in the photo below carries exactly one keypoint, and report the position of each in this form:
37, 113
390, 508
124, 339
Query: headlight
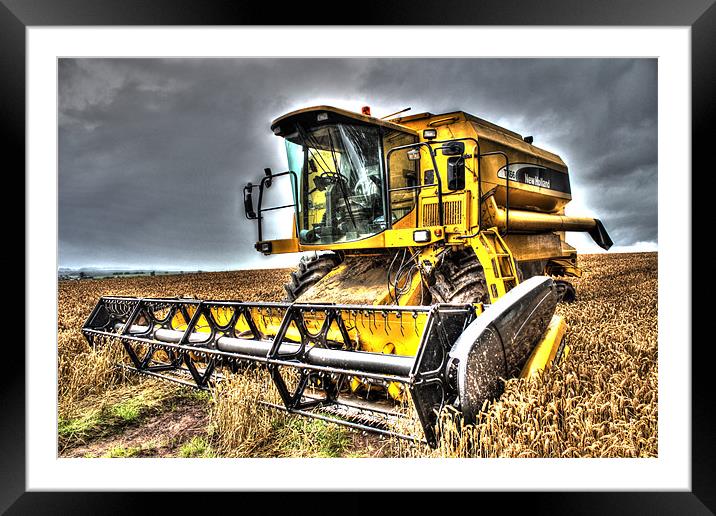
421, 235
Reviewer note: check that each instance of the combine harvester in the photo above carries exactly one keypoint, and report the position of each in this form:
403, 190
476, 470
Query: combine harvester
436, 238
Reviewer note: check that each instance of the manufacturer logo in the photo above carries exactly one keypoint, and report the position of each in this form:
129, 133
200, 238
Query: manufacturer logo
528, 174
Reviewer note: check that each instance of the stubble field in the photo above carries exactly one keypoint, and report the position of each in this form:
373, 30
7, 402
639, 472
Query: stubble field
599, 402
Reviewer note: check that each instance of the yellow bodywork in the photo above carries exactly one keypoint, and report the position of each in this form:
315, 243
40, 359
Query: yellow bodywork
548, 348
384, 333
401, 237
387, 332
535, 211
476, 216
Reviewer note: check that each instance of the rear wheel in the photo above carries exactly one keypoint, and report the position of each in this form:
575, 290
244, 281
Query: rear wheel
566, 291
310, 271
459, 279
527, 269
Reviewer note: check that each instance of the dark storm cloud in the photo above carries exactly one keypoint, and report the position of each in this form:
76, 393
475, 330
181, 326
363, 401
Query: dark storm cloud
153, 153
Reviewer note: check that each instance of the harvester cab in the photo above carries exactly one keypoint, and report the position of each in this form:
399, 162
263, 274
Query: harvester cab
435, 240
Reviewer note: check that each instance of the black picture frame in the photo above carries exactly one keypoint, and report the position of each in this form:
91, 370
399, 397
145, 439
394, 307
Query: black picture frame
699, 15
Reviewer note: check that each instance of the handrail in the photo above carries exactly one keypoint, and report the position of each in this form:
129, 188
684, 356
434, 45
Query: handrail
400, 189
431, 151
479, 178
507, 186
266, 183
389, 218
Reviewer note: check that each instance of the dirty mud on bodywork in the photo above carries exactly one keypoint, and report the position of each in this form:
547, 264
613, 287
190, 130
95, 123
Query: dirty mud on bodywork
357, 280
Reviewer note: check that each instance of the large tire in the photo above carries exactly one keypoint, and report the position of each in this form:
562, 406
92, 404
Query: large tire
459, 279
310, 271
527, 269
565, 290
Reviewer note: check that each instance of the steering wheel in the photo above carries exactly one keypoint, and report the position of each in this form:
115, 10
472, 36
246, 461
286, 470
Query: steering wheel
334, 176
326, 178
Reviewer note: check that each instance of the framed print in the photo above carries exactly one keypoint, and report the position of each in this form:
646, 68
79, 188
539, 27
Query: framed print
195, 162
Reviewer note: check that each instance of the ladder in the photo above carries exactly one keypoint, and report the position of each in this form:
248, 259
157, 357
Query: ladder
497, 262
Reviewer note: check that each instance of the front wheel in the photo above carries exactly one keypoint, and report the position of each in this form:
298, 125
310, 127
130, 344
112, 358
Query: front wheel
310, 271
459, 279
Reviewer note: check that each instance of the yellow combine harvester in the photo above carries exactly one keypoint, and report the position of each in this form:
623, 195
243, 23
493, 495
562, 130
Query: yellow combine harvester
436, 238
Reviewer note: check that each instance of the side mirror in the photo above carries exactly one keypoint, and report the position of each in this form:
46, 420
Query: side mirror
268, 173
456, 173
249, 202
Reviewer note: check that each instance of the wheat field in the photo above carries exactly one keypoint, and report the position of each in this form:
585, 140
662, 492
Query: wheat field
601, 401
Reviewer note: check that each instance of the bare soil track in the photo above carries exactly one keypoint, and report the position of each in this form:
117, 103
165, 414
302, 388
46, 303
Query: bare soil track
600, 402
160, 435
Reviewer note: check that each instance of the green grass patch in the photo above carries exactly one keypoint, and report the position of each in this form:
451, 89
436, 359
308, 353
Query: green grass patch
123, 452
129, 411
117, 410
197, 447
199, 395
312, 437
68, 428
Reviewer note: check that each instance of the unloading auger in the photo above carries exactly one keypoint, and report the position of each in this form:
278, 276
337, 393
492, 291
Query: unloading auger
435, 238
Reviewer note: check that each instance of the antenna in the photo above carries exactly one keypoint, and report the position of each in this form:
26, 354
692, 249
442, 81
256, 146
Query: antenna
396, 113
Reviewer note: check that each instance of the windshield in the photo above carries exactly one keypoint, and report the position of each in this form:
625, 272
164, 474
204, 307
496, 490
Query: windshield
340, 182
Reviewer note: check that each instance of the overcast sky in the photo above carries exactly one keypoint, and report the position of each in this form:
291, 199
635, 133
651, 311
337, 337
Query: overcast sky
153, 154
